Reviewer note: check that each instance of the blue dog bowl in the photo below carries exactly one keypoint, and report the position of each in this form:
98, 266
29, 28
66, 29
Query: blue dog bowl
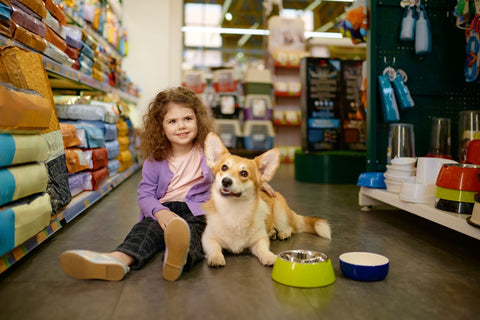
372, 180
364, 266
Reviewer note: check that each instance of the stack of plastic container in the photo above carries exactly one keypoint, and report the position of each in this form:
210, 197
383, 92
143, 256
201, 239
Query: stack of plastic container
258, 130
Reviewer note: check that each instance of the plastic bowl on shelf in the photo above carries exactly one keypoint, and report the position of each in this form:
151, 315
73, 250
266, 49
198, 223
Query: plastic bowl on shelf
303, 268
364, 266
393, 186
459, 177
417, 193
404, 161
372, 180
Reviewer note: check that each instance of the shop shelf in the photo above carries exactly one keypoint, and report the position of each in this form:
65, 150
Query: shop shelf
369, 197
78, 205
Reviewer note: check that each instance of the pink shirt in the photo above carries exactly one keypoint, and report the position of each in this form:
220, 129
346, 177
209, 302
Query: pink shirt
187, 171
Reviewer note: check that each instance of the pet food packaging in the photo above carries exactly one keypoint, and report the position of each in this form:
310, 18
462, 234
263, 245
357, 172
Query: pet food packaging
96, 158
24, 69
37, 6
388, 100
29, 39
55, 54
20, 181
113, 149
81, 111
56, 11
28, 22
69, 135
79, 182
22, 110
76, 160
18, 149
55, 39
55, 25
22, 219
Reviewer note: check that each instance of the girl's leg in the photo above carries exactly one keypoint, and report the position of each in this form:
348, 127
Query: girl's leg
197, 225
142, 243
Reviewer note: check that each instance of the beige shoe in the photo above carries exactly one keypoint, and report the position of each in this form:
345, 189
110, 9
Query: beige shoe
84, 264
177, 242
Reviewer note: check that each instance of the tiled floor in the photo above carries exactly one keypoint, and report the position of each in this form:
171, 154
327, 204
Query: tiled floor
434, 272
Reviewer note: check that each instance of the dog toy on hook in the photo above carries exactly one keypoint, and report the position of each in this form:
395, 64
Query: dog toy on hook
355, 24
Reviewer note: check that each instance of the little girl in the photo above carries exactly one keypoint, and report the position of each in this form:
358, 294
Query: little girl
175, 182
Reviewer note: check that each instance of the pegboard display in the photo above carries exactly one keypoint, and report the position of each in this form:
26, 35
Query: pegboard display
436, 79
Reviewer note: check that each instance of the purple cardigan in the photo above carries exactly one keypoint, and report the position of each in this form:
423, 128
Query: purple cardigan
156, 177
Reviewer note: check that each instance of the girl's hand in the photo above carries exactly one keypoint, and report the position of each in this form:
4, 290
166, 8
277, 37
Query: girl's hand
268, 189
164, 217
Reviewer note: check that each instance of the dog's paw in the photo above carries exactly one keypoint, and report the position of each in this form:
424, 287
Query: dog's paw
284, 235
217, 260
268, 259
272, 234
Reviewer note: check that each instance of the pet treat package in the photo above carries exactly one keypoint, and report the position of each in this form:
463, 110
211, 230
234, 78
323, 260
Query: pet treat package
388, 100
402, 93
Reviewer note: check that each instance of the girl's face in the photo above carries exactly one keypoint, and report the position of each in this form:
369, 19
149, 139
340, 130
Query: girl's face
180, 127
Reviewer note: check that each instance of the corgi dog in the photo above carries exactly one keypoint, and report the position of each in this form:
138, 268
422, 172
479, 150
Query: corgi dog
240, 215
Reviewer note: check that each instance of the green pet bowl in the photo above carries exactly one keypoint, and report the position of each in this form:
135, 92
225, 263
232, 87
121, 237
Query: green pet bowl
303, 268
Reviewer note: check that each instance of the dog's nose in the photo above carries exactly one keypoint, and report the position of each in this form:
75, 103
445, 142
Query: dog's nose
227, 182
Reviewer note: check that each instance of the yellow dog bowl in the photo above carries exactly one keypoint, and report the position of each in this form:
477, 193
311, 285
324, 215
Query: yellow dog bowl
303, 268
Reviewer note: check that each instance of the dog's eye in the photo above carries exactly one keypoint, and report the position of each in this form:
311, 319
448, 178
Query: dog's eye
224, 167
244, 173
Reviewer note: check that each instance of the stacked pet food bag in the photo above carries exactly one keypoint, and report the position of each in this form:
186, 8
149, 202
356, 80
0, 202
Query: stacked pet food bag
33, 173
96, 141
82, 35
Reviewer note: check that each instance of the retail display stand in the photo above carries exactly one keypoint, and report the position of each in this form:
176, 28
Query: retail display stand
89, 76
437, 85
370, 197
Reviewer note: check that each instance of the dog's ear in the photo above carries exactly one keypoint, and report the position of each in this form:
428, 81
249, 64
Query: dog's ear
214, 149
268, 163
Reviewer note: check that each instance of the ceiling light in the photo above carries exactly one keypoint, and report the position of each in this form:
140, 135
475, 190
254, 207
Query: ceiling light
228, 16
258, 32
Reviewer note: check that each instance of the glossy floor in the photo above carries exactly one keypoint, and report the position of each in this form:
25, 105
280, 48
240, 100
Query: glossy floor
434, 272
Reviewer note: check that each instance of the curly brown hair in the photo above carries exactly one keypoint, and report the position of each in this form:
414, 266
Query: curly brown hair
153, 142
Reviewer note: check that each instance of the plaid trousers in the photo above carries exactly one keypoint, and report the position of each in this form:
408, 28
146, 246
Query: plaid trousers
145, 239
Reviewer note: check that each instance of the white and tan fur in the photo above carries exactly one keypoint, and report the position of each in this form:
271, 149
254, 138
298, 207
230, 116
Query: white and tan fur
239, 215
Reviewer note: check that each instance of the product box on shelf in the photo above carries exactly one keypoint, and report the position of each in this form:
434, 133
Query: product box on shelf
321, 125
352, 110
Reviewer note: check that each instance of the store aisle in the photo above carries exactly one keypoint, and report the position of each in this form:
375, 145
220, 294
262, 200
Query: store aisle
434, 272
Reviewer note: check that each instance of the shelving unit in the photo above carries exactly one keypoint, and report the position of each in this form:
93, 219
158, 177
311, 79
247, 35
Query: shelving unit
288, 132
79, 204
64, 79
368, 197
436, 83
